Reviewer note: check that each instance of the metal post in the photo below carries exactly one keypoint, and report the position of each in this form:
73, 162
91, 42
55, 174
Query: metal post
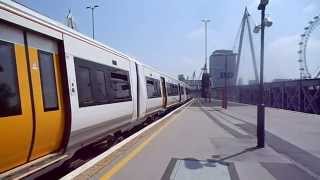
92, 7
205, 21
253, 54
205, 46
92, 15
261, 105
225, 99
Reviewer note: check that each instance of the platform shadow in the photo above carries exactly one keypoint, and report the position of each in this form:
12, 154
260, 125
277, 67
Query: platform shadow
220, 160
201, 102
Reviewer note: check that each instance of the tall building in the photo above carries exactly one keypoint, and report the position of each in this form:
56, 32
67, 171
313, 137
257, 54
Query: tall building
181, 77
217, 68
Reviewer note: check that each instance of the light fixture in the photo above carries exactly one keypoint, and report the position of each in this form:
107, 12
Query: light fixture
267, 22
257, 29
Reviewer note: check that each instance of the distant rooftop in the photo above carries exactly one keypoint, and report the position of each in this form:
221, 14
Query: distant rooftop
222, 51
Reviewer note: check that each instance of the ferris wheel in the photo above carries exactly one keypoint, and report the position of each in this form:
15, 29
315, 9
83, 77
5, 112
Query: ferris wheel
303, 44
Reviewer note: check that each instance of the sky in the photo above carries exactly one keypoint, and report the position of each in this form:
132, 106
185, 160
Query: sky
169, 34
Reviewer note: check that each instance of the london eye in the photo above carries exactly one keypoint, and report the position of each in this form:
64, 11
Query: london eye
303, 45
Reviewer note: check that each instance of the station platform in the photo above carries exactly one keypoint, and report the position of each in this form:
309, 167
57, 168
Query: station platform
203, 141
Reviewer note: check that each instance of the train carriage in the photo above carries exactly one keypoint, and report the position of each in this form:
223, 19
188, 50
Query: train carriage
103, 90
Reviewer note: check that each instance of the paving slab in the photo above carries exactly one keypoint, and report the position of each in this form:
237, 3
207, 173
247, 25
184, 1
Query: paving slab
252, 171
297, 127
293, 134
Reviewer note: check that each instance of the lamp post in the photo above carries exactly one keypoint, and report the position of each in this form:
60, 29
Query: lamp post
205, 21
261, 105
92, 7
227, 75
225, 94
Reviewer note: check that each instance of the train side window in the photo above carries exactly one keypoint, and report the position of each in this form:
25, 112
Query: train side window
168, 89
172, 89
153, 88
120, 85
157, 88
176, 90
150, 88
48, 81
9, 89
101, 86
84, 86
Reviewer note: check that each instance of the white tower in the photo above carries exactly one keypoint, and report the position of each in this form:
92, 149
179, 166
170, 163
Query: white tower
70, 21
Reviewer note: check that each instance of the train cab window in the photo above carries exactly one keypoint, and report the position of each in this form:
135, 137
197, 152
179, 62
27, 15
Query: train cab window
101, 86
120, 85
9, 90
153, 87
48, 81
84, 86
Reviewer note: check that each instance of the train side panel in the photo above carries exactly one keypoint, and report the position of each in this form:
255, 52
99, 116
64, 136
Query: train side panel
184, 93
134, 89
142, 92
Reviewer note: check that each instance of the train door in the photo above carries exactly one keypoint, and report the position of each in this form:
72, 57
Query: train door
138, 90
164, 92
47, 94
31, 107
16, 124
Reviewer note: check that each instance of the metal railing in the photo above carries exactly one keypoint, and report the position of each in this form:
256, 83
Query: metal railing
295, 95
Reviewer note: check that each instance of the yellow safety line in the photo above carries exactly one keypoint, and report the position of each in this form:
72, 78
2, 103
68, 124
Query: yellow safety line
117, 167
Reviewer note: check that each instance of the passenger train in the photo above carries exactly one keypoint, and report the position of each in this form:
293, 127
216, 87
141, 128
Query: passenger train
60, 90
